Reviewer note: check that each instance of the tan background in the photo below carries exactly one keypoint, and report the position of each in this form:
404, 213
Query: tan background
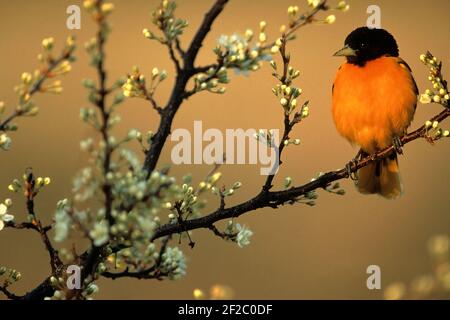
297, 252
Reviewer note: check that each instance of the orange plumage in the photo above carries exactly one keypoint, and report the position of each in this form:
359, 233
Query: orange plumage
373, 103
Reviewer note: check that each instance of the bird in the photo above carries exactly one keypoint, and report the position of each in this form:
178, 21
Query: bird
374, 99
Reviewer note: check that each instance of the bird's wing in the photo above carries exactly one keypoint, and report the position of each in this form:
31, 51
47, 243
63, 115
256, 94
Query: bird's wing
332, 88
403, 63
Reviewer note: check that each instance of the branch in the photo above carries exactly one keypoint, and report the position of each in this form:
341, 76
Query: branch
100, 103
26, 225
144, 274
35, 224
177, 97
38, 85
179, 48
173, 57
44, 289
9, 294
279, 198
288, 125
155, 105
202, 32
152, 272
92, 257
223, 235
307, 17
55, 261
179, 92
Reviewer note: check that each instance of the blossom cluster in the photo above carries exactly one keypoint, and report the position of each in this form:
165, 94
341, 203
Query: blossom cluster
31, 83
136, 86
439, 92
164, 19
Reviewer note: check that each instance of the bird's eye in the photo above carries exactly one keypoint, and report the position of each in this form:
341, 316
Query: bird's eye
363, 45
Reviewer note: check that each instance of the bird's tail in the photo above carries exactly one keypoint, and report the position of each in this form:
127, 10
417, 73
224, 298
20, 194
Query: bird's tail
381, 177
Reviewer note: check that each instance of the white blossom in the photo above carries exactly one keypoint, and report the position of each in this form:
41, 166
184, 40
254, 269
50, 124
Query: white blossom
243, 236
100, 233
4, 216
62, 221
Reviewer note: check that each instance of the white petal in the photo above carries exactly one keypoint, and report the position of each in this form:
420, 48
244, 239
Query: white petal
8, 217
1, 225
425, 99
3, 209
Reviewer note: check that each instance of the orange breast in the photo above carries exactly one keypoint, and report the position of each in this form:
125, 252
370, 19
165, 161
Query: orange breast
374, 103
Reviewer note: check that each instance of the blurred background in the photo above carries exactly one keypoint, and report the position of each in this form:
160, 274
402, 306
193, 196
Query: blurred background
297, 252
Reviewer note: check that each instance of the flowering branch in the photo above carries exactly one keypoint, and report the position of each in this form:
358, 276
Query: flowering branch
153, 272
31, 187
99, 11
278, 198
183, 77
216, 73
288, 101
34, 83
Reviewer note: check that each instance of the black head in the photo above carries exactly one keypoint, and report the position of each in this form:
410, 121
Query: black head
364, 44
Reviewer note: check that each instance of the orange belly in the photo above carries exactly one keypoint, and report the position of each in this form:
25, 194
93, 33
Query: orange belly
374, 103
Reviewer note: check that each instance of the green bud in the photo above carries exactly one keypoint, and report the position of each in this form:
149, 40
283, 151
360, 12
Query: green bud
88, 83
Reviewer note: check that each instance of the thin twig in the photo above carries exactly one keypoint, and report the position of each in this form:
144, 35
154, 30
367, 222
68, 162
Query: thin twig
55, 261
173, 57
180, 50
223, 235
37, 85
9, 294
288, 125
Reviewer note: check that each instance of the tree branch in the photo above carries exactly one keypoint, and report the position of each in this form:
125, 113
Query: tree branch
8, 294
288, 125
223, 235
38, 85
91, 258
177, 97
55, 261
179, 48
173, 57
278, 198
143, 274
152, 272
101, 105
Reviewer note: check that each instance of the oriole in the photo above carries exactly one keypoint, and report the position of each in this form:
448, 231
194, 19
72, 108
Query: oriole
374, 100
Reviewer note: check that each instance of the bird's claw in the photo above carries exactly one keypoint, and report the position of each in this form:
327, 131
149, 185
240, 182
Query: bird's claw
398, 145
349, 166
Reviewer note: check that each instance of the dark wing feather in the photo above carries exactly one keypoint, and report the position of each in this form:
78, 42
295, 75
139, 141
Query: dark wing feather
403, 63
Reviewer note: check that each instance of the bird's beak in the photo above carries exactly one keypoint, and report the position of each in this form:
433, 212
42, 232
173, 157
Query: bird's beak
345, 52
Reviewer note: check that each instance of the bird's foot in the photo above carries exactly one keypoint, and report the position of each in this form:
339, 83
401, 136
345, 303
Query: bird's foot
353, 163
398, 145
349, 167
